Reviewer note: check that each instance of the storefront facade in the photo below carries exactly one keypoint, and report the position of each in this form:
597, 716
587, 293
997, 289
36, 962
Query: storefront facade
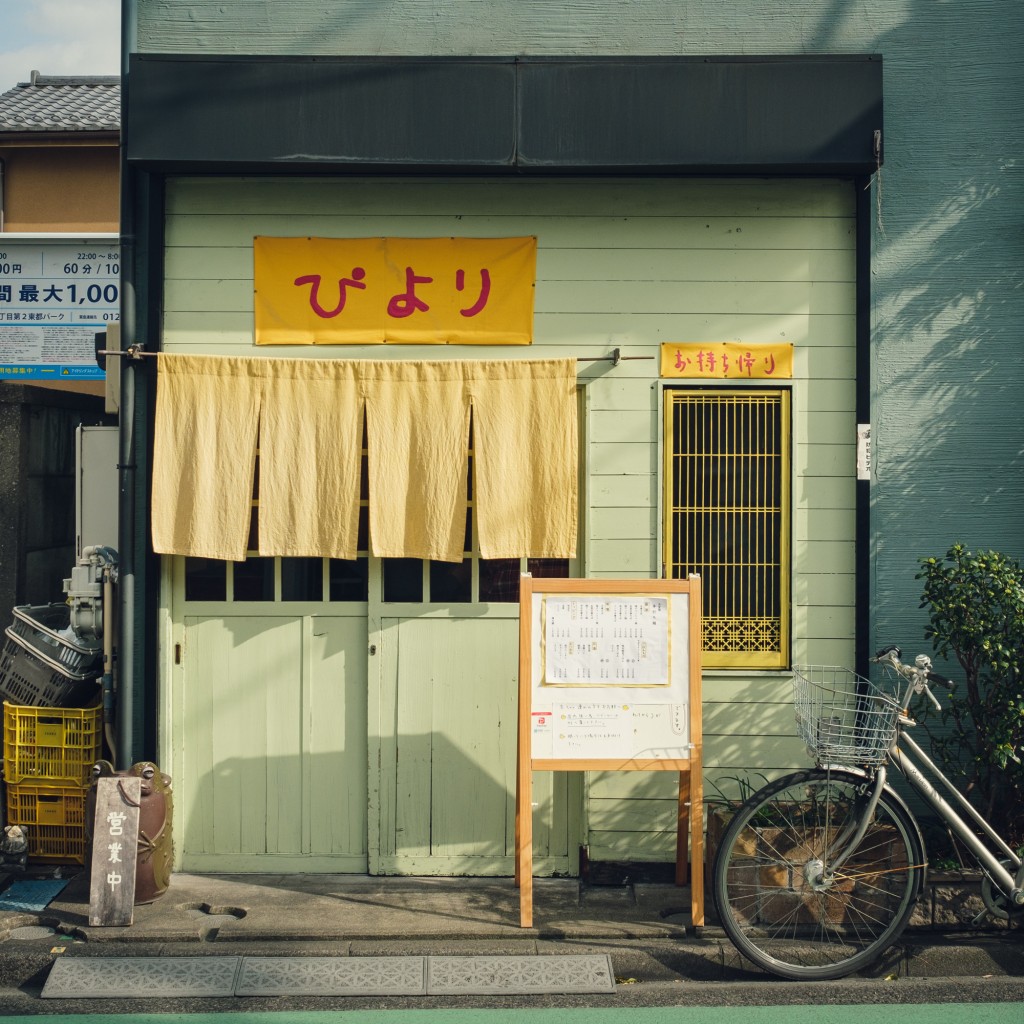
323, 714
295, 675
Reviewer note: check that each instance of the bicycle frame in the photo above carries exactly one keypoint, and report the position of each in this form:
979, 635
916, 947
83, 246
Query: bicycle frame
1012, 885
843, 846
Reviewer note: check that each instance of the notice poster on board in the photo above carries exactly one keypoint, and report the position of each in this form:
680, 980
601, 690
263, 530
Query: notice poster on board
620, 731
573, 730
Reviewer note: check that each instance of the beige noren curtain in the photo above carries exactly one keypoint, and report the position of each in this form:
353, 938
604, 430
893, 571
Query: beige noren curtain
306, 417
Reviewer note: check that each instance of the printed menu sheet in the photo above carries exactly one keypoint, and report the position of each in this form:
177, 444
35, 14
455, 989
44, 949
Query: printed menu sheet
606, 641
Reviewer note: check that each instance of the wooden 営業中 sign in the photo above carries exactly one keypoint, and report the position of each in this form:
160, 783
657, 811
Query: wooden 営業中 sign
609, 679
115, 846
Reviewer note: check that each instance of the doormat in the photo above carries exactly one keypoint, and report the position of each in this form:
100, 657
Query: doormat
31, 895
94, 977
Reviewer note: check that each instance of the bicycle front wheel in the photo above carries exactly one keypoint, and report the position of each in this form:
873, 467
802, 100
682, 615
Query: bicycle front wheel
782, 898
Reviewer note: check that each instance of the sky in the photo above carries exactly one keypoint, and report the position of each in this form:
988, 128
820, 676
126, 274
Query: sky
58, 37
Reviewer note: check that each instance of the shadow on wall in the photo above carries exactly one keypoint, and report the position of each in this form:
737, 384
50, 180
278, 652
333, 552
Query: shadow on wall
257, 813
947, 315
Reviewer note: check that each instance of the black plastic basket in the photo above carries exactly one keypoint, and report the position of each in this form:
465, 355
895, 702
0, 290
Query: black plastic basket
44, 628
32, 679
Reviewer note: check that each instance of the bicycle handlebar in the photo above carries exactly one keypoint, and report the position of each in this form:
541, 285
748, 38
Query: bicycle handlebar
923, 665
919, 675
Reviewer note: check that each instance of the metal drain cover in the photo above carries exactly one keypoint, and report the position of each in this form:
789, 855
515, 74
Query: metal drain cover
32, 931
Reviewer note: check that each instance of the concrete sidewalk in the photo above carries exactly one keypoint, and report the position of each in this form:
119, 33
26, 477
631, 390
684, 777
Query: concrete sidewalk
278, 908
644, 927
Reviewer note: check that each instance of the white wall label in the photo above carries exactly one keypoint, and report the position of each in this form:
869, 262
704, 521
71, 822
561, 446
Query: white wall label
863, 451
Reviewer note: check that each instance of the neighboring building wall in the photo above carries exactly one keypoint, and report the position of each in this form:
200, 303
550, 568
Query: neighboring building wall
54, 180
37, 493
949, 240
60, 188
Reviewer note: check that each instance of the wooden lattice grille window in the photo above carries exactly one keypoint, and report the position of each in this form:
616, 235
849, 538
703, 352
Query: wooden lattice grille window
728, 518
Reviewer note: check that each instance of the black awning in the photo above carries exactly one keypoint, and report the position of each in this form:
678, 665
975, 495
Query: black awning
684, 115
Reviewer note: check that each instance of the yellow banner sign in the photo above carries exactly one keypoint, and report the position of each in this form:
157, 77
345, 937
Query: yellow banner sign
358, 291
727, 360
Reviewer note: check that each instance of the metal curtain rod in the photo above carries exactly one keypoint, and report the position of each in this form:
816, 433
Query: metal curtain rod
135, 352
132, 352
614, 357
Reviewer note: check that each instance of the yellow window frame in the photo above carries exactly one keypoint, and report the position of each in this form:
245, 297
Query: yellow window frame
727, 502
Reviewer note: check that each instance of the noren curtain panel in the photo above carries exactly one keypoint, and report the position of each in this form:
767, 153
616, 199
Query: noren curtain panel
305, 419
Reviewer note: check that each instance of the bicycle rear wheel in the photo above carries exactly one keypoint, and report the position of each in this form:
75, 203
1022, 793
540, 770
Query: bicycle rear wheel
780, 901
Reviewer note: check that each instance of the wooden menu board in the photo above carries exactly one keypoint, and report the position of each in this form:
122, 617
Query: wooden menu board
609, 679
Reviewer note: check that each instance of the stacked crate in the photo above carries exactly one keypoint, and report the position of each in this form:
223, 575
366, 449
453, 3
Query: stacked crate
49, 747
48, 759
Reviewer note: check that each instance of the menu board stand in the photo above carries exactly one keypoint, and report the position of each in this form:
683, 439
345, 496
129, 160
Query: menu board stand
609, 680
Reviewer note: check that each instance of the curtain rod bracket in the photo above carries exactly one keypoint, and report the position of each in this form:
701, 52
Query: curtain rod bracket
131, 352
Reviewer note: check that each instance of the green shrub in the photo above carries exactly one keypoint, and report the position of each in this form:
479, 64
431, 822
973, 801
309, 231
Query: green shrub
975, 605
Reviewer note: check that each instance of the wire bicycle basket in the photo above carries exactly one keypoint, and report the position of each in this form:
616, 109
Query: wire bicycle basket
843, 718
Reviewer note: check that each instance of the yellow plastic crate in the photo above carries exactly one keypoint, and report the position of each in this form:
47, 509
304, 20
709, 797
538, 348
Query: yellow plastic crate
51, 744
54, 817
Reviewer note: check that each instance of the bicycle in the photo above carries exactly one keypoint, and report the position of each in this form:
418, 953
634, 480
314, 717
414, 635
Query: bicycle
818, 872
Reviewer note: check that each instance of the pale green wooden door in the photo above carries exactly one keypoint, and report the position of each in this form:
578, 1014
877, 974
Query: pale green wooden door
448, 732
270, 743
327, 736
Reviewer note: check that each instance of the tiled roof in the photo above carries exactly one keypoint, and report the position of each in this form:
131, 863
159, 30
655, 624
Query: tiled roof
50, 103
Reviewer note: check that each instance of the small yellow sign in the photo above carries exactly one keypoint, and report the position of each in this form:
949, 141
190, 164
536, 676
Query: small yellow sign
358, 291
727, 360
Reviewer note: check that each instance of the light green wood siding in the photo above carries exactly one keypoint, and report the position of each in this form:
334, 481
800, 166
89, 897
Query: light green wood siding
625, 265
